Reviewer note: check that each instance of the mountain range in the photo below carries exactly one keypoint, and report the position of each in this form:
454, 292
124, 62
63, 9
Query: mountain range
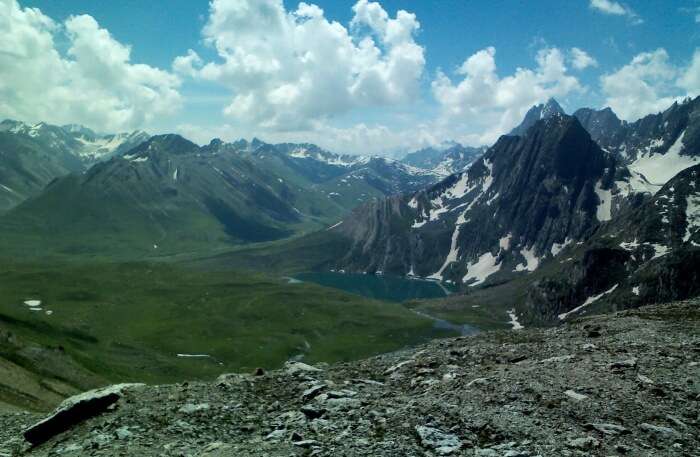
33, 155
547, 191
535, 207
169, 195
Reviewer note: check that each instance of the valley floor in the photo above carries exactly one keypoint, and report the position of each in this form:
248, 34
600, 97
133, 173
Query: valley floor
620, 384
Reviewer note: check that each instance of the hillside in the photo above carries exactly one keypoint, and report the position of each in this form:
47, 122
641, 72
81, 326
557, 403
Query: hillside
620, 384
70, 327
169, 196
31, 156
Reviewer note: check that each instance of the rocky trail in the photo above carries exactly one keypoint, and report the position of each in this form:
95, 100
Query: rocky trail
620, 384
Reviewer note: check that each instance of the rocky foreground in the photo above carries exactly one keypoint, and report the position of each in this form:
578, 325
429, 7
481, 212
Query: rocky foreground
620, 384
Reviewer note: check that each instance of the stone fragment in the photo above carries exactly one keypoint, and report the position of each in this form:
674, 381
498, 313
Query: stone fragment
313, 391
584, 444
442, 443
608, 429
623, 364
75, 410
658, 431
191, 408
299, 367
575, 395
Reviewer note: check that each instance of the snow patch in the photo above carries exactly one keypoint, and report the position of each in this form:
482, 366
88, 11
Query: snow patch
588, 301
604, 211
514, 320
659, 250
558, 247
636, 184
659, 168
8, 189
334, 225
630, 246
485, 266
531, 260
504, 243
692, 216
635, 290
451, 256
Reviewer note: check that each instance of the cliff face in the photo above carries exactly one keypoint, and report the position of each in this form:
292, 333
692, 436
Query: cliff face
621, 384
517, 206
646, 255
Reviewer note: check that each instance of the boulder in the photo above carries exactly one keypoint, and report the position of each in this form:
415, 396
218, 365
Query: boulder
75, 410
442, 443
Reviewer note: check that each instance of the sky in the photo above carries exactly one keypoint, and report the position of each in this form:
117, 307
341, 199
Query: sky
358, 76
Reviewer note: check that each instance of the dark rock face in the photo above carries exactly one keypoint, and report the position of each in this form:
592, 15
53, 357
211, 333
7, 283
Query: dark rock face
527, 196
646, 255
604, 126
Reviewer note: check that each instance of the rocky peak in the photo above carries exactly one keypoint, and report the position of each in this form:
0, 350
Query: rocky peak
536, 113
603, 125
525, 199
169, 143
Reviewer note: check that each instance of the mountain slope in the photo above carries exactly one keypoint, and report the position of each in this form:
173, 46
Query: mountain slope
520, 204
647, 255
166, 194
444, 161
33, 155
170, 196
657, 146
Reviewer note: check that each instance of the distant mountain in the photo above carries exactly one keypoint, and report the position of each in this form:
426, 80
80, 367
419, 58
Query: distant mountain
537, 113
76, 140
33, 155
169, 196
657, 146
446, 160
346, 180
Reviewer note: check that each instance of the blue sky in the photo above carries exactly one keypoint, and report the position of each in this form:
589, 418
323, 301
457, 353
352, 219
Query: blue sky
421, 103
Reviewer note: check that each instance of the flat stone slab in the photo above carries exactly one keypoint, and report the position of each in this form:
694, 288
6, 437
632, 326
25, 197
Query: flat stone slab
75, 410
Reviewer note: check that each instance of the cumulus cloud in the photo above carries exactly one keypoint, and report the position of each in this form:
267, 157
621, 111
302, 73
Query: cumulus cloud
580, 59
615, 8
482, 105
94, 82
289, 69
650, 83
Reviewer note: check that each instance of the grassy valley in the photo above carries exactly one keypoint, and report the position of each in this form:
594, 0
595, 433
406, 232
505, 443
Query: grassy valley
128, 321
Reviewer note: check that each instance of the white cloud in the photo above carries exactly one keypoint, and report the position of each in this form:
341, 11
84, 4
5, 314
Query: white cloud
482, 106
93, 82
690, 79
580, 59
615, 8
649, 84
289, 69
